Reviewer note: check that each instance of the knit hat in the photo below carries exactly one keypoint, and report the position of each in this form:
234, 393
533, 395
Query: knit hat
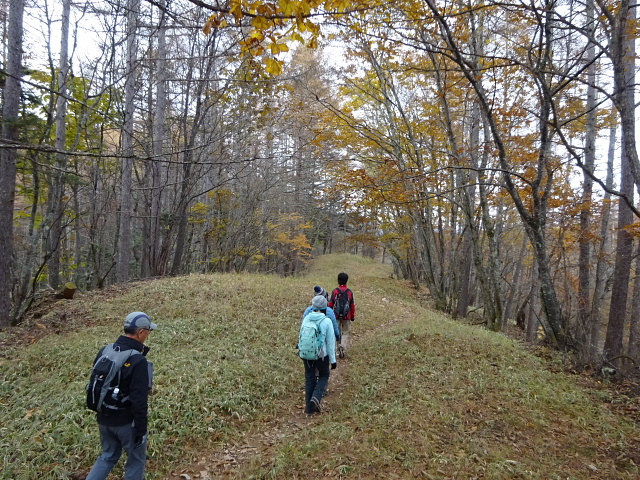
319, 302
320, 291
139, 320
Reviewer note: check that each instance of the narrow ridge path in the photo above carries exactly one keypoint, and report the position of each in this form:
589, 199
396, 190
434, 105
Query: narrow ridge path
228, 460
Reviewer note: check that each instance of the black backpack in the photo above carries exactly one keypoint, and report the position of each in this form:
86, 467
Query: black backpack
103, 389
341, 303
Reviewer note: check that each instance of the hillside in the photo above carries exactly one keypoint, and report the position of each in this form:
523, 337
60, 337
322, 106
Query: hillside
420, 396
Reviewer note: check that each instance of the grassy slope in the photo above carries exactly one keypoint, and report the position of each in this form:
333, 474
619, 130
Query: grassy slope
419, 397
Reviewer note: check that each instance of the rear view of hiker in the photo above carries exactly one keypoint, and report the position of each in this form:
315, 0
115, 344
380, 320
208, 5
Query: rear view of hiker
122, 413
317, 345
328, 311
318, 290
344, 307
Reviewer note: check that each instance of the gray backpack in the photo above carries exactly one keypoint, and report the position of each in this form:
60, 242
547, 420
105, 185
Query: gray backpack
103, 389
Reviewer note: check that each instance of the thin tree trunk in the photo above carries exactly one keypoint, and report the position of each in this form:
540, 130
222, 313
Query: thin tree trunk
533, 320
124, 232
464, 275
634, 331
151, 263
26, 279
515, 284
157, 266
601, 265
56, 207
585, 318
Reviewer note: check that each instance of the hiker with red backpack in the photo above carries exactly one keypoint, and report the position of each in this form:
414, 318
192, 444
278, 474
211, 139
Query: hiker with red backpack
344, 307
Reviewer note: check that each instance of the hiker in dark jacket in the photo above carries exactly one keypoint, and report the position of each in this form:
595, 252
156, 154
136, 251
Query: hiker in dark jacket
126, 428
328, 312
344, 321
318, 290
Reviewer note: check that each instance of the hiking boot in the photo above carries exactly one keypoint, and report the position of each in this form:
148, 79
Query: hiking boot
316, 404
341, 352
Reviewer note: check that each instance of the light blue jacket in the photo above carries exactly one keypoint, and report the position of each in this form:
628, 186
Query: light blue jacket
332, 316
326, 330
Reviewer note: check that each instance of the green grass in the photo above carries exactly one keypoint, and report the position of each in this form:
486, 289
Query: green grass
420, 396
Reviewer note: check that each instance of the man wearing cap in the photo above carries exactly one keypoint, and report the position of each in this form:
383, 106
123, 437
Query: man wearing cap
126, 428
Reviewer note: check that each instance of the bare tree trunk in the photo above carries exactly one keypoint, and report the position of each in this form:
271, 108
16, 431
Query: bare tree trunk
621, 17
634, 331
601, 265
624, 76
56, 209
533, 319
464, 275
10, 115
515, 284
124, 233
152, 259
585, 318
26, 282
613, 345
494, 289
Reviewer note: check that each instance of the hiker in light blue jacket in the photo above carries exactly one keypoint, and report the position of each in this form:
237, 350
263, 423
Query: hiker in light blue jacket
317, 371
329, 312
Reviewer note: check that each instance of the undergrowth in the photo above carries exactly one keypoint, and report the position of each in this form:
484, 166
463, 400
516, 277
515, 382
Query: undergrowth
422, 396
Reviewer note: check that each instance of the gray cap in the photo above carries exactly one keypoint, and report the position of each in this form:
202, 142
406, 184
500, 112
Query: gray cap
319, 302
139, 320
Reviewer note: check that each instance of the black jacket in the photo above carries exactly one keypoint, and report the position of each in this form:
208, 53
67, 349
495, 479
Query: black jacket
134, 381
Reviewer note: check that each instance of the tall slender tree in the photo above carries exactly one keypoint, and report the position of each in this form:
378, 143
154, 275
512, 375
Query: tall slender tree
55, 213
123, 253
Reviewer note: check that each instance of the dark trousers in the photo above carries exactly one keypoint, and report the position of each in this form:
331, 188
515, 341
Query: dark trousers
316, 374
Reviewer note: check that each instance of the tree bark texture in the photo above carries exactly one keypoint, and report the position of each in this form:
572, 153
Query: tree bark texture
8, 155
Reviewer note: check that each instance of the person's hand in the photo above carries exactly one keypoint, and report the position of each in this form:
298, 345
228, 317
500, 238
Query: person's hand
139, 441
334, 365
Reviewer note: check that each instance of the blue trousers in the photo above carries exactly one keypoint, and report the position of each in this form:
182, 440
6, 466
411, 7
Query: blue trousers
316, 373
114, 440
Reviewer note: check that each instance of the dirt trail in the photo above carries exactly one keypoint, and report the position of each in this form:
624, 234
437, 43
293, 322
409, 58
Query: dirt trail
226, 461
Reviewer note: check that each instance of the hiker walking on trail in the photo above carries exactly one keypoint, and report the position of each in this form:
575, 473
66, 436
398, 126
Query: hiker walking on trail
317, 345
123, 421
318, 290
344, 307
328, 312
